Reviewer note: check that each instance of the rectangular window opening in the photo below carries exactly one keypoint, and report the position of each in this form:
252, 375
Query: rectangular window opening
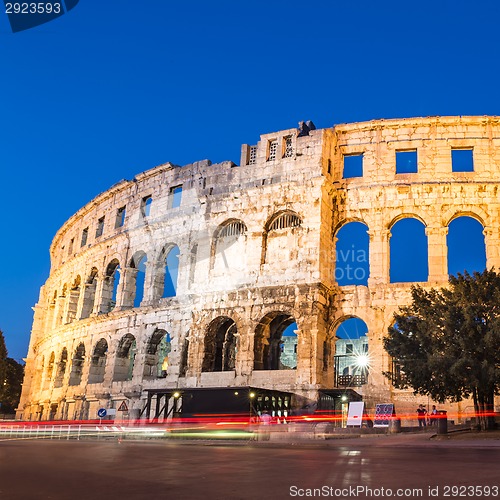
273, 149
70, 247
462, 160
288, 147
146, 206
120, 217
406, 162
85, 235
100, 227
175, 196
353, 165
252, 155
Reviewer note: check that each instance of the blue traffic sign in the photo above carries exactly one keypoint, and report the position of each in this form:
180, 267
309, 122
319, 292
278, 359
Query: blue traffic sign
101, 412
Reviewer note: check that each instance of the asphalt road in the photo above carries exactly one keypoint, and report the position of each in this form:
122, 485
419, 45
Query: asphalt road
160, 470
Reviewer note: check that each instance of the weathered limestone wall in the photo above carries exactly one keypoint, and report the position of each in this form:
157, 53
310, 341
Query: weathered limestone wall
262, 273
435, 195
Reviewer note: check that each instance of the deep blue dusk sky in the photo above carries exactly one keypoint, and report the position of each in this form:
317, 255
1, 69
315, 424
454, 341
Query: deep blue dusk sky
116, 87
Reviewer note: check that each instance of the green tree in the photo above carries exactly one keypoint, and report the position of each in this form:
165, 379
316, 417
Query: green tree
11, 379
447, 342
11, 393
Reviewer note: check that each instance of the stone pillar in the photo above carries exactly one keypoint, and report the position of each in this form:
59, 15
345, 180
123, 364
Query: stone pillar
127, 288
492, 243
307, 338
149, 282
98, 297
58, 311
437, 254
379, 257
195, 354
81, 301
244, 356
73, 303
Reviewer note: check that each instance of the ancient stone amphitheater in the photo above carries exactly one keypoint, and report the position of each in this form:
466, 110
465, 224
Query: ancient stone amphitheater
223, 280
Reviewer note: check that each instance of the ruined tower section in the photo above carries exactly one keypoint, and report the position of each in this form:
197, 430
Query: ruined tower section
401, 183
200, 276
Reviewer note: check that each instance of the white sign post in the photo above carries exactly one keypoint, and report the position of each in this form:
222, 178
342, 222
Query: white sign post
355, 414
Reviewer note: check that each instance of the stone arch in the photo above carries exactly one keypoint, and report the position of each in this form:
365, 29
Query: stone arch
228, 248
351, 359
352, 250
158, 350
408, 250
137, 279
89, 293
466, 245
220, 345
110, 286
269, 342
125, 358
98, 362
75, 376
61, 368
74, 297
472, 211
279, 236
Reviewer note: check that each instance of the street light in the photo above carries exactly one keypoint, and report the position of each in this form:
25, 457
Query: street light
362, 361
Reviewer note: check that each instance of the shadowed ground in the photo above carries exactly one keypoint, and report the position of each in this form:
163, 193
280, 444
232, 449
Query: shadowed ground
158, 469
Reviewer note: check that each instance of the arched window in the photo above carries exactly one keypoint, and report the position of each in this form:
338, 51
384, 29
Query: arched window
408, 252
146, 203
280, 240
89, 294
233, 229
139, 263
61, 368
157, 354
98, 362
351, 358
284, 221
75, 376
110, 287
220, 345
125, 358
275, 339
352, 254
171, 272
466, 247
228, 248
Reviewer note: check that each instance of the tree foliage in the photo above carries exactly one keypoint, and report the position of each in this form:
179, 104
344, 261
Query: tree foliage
447, 342
11, 379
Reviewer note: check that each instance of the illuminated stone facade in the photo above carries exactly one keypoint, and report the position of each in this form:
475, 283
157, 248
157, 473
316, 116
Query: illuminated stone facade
188, 277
